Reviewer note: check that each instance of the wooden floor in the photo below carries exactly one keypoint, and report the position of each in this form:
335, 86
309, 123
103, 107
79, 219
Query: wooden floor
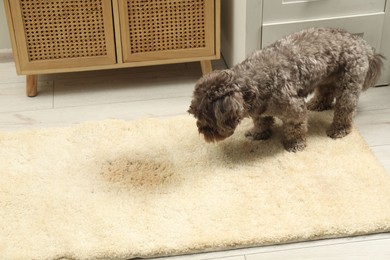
163, 91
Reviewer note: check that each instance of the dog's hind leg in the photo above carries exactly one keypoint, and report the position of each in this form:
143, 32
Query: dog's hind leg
344, 111
347, 90
322, 99
347, 96
261, 129
294, 135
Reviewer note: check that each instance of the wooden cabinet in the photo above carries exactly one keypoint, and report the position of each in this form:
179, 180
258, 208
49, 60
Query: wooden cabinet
166, 29
74, 35
56, 35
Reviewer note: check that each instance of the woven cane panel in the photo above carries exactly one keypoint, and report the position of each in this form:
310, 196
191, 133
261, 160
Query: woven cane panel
166, 25
63, 28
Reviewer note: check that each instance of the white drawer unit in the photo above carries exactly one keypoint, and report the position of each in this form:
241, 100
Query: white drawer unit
258, 23
282, 17
297, 10
368, 26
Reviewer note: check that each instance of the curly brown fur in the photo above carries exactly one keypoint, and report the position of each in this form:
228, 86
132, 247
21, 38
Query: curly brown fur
274, 81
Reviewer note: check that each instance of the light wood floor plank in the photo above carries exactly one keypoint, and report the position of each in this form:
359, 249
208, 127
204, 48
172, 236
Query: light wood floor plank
104, 90
13, 97
382, 152
379, 249
374, 99
72, 115
374, 125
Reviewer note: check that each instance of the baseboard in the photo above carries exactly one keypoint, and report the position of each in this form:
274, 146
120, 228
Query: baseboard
6, 55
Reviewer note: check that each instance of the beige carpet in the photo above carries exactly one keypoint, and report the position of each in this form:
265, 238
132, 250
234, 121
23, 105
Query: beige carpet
153, 187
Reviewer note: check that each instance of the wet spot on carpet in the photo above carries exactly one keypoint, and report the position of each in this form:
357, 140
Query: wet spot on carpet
138, 173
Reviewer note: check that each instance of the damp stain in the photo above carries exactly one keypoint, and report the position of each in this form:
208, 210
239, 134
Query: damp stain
136, 173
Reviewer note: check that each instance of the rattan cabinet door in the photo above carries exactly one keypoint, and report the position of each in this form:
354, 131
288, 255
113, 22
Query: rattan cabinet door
62, 34
167, 29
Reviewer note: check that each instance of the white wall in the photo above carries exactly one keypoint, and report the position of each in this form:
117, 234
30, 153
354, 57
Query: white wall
233, 35
240, 29
4, 36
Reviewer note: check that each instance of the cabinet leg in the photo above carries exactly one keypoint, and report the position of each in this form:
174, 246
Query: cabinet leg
31, 85
206, 66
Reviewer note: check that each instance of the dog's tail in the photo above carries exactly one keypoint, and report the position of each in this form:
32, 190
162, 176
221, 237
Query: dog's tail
374, 70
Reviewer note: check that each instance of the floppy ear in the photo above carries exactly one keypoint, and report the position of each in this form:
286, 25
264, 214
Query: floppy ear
229, 110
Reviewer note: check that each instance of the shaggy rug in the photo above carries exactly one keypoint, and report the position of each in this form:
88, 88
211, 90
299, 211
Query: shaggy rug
116, 189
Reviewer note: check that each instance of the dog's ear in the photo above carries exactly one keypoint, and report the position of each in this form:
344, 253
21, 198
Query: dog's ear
229, 110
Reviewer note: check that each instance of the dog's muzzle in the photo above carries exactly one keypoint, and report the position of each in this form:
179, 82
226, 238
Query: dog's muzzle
215, 136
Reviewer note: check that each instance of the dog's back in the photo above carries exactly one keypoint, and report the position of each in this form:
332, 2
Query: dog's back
313, 56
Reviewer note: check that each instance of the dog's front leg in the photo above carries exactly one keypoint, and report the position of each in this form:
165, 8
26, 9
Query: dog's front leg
294, 132
261, 129
294, 119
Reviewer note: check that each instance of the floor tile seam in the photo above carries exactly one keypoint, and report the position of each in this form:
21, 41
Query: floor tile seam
122, 102
374, 109
340, 243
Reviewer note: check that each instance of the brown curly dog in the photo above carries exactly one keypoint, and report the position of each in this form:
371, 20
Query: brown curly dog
274, 82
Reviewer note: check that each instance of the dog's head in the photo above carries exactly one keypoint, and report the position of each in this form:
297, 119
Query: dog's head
217, 104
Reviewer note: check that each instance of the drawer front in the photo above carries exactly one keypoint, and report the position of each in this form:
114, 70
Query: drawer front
62, 34
367, 26
275, 11
166, 29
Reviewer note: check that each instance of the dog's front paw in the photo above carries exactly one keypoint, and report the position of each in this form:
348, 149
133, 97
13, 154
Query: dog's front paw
294, 145
338, 131
255, 135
